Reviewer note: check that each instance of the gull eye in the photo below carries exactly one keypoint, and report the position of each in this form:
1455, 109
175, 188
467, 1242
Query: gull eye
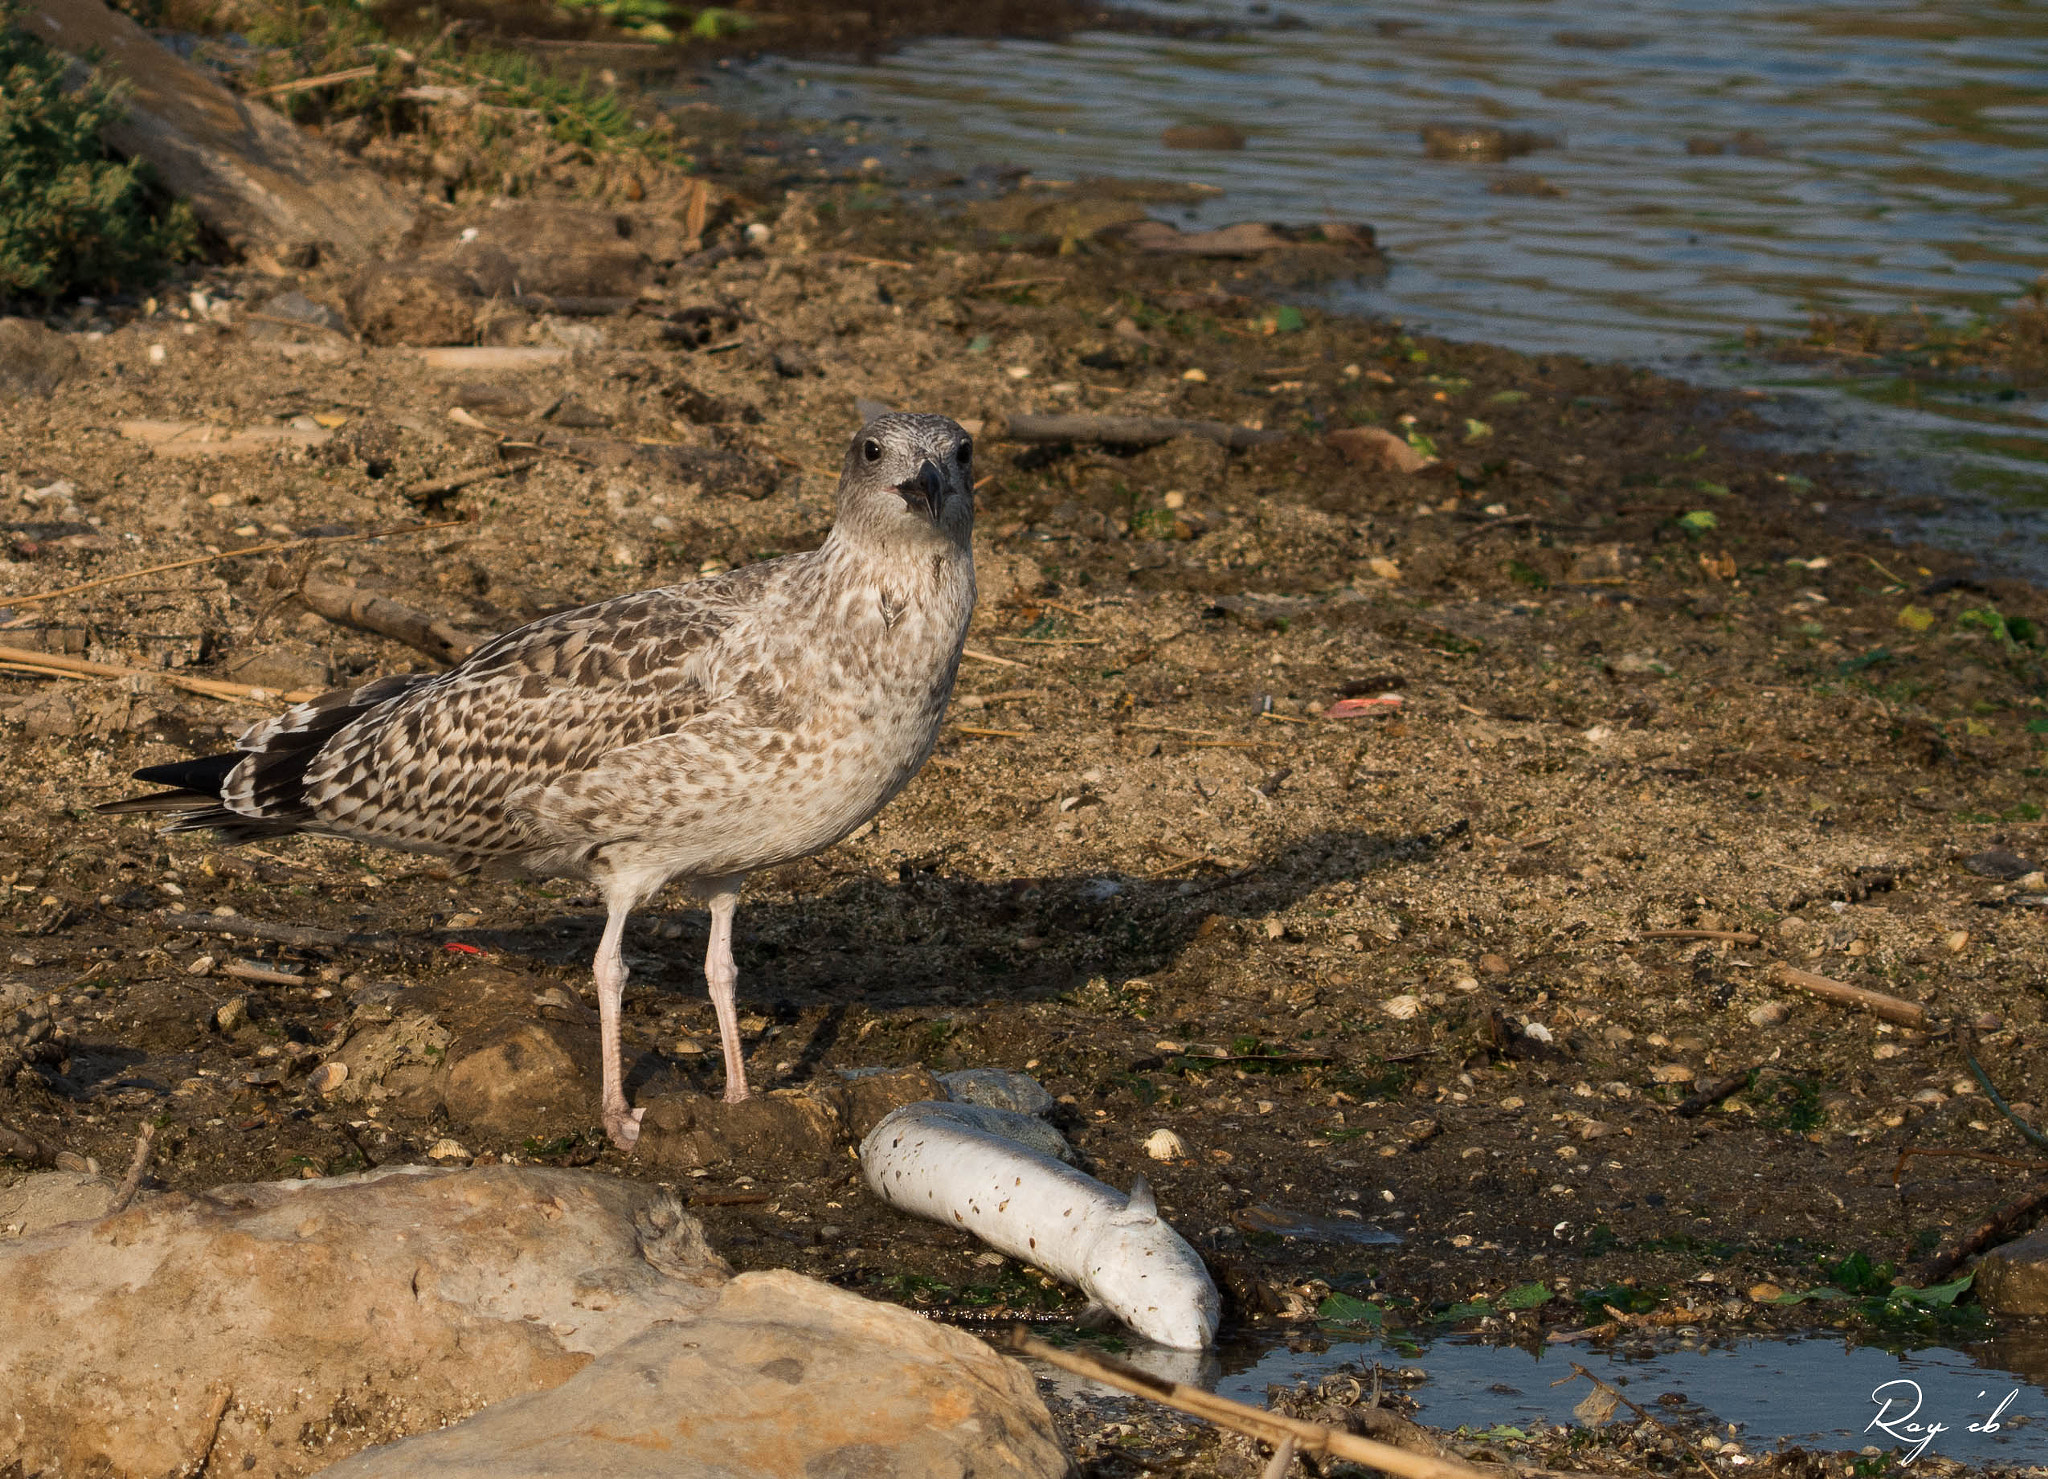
871, 449
966, 455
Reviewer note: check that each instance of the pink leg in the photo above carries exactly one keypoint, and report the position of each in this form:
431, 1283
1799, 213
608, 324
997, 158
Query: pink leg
722, 977
621, 1123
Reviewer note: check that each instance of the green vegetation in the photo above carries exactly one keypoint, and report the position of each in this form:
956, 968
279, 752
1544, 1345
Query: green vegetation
72, 219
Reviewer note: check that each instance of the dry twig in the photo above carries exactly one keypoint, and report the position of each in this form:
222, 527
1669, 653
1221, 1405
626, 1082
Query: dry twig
1891, 1008
131, 1182
1995, 1229
1133, 431
254, 549
1738, 937
1253, 1422
57, 665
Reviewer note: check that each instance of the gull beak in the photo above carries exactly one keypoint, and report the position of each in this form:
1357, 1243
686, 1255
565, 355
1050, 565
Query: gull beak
928, 489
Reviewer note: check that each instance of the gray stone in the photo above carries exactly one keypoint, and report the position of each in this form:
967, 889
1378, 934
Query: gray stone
998, 1088
2013, 1279
324, 1316
783, 1377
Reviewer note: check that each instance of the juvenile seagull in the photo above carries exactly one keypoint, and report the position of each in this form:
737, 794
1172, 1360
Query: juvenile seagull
693, 733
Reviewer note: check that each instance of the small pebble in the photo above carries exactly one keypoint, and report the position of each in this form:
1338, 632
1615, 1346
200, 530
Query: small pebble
327, 1077
1769, 1014
1195, 375
1494, 965
1886, 1050
1766, 1292
1164, 1145
1988, 1022
1957, 941
203, 966
1672, 1073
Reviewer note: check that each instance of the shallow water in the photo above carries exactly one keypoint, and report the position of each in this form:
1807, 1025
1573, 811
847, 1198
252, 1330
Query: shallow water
1875, 157
1816, 1391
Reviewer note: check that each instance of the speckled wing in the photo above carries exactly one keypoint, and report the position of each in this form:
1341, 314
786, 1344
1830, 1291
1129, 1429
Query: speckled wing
439, 767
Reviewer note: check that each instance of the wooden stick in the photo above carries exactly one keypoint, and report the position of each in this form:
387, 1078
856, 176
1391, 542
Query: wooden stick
991, 733
1057, 641
1008, 662
1993, 1229
434, 489
298, 936
1133, 431
1891, 1008
348, 606
57, 665
1254, 1422
1711, 1094
145, 1140
254, 549
302, 84
1739, 937
214, 1416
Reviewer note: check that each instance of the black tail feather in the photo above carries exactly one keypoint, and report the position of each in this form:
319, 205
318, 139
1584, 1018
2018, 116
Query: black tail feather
205, 775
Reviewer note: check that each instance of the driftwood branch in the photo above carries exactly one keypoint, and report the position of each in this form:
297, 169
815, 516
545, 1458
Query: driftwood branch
1995, 1229
431, 492
366, 611
145, 1144
1708, 1095
1253, 1422
1891, 1008
297, 936
1134, 431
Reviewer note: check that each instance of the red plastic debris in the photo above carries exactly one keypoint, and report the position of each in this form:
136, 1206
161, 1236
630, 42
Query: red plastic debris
460, 948
1364, 708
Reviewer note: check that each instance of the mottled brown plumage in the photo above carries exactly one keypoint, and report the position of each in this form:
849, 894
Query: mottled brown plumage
693, 733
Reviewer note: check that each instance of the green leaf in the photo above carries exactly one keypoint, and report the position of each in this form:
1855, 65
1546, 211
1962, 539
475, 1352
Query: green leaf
1936, 1296
1525, 1296
1348, 1309
1468, 1309
1476, 431
1699, 521
1718, 490
1287, 319
1826, 1293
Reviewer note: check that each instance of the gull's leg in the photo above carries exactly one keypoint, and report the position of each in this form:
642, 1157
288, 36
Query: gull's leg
621, 1123
722, 977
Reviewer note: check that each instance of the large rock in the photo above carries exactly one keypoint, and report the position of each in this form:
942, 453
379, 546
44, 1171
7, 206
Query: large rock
50, 1198
318, 1317
783, 1377
417, 303
2013, 1279
33, 360
527, 1079
255, 180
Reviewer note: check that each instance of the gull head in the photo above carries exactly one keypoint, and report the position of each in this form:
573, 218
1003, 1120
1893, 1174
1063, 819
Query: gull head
910, 477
